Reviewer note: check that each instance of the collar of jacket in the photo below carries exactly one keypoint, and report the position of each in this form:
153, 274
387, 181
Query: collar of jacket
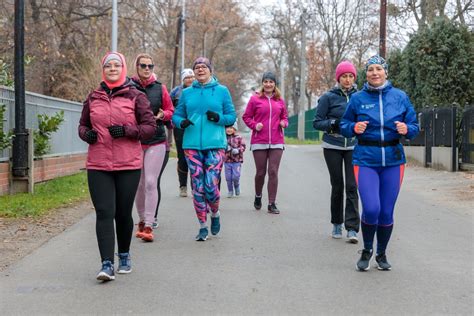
384, 88
212, 83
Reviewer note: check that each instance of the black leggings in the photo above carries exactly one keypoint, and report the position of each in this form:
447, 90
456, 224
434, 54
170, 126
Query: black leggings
182, 164
165, 161
335, 160
113, 193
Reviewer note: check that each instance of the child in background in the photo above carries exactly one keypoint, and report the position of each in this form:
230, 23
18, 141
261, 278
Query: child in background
234, 157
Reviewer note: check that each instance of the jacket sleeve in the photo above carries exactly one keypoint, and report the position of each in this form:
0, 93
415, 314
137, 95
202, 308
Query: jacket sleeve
247, 117
228, 111
146, 123
284, 114
321, 121
242, 144
349, 119
410, 119
180, 111
166, 104
85, 121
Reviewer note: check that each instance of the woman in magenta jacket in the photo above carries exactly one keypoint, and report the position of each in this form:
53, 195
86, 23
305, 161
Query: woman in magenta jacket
115, 117
266, 116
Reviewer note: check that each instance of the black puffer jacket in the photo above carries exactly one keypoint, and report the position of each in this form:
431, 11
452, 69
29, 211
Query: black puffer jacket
330, 109
154, 93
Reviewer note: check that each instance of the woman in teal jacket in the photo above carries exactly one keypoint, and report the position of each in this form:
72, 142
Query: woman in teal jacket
378, 116
203, 111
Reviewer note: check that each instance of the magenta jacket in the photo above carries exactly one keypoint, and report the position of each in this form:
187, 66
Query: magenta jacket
125, 106
270, 112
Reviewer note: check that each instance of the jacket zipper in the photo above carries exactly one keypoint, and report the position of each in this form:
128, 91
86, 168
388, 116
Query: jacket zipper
347, 101
382, 137
270, 122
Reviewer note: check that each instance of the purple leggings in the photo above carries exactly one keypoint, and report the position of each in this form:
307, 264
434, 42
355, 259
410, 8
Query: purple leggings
378, 190
232, 175
272, 158
205, 168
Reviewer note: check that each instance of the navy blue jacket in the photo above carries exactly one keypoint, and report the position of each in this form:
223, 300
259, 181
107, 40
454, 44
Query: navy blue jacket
381, 108
331, 106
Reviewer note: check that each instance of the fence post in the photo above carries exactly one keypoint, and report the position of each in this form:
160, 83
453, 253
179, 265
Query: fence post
454, 145
301, 124
31, 162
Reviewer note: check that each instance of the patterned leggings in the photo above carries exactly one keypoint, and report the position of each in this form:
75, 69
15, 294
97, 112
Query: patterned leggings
205, 169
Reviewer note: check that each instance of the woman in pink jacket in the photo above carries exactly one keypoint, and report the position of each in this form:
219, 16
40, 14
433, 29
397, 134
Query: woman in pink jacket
115, 117
266, 116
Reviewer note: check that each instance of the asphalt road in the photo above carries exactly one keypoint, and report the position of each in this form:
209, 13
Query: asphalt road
260, 263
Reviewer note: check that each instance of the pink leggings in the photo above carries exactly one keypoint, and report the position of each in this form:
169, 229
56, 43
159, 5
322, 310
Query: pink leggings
273, 158
147, 194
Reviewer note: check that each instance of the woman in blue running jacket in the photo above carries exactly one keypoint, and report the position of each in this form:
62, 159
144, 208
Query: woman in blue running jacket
379, 115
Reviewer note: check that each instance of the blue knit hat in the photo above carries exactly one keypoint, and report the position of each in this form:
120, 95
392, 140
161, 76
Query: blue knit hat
376, 59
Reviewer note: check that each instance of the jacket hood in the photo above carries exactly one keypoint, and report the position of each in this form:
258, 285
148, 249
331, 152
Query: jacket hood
214, 82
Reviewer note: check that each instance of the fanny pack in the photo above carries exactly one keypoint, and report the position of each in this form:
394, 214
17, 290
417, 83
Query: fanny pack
378, 143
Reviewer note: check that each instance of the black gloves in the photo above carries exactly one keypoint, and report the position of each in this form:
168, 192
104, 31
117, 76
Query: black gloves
212, 116
91, 136
185, 123
117, 131
335, 126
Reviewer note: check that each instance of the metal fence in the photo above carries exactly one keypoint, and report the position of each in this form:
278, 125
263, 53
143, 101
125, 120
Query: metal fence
467, 136
65, 141
292, 129
309, 131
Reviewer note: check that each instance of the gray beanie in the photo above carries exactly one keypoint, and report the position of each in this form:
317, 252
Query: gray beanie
269, 75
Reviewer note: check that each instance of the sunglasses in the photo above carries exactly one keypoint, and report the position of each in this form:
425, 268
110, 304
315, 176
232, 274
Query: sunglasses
144, 66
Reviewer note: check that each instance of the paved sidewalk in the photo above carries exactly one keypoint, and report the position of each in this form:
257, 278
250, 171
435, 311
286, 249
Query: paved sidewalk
261, 263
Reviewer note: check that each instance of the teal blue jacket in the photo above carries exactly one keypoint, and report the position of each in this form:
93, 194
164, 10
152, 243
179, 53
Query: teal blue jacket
193, 104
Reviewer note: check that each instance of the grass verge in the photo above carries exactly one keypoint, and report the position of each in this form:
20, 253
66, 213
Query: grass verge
48, 195
295, 141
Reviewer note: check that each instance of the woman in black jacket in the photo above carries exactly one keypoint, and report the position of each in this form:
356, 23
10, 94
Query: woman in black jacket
338, 152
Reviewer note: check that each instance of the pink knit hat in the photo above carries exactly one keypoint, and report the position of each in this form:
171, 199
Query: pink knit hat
345, 67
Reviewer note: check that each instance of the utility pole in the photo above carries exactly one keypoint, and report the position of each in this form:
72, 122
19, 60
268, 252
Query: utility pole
183, 32
176, 47
302, 89
114, 25
383, 28
282, 75
301, 99
20, 141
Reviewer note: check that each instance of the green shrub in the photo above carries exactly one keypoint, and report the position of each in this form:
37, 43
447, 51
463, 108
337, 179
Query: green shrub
436, 66
42, 136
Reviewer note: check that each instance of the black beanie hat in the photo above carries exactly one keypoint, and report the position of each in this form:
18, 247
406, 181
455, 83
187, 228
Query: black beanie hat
269, 75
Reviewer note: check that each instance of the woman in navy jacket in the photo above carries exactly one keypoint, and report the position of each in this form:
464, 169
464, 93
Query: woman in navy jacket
378, 116
337, 151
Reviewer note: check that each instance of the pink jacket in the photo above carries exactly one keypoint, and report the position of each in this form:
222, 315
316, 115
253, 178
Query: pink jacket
270, 112
127, 107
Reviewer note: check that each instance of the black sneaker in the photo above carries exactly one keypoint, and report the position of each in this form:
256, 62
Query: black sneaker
364, 262
257, 203
382, 263
272, 208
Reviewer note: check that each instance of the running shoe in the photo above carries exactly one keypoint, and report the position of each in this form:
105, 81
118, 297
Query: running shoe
272, 208
107, 271
336, 231
141, 228
183, 191
382, 263
215, 225
257, 203
364, 262
147, 234
352, 237
125, 263
202, 236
